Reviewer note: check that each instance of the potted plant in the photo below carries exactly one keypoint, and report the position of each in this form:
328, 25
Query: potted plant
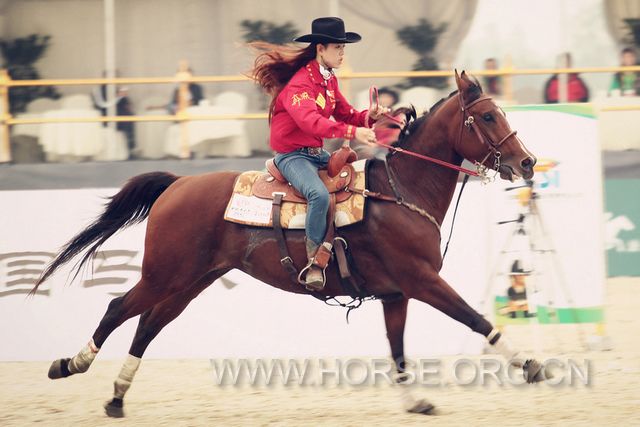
19, 56
422, 39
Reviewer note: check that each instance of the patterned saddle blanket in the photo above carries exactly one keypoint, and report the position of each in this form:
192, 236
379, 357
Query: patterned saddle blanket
251, 201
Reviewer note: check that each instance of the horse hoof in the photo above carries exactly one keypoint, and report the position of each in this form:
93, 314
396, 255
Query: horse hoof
534, 372
59, 369
423, 407
114, 408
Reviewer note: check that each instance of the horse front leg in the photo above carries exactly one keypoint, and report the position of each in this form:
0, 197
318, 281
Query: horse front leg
395, 317
435, 291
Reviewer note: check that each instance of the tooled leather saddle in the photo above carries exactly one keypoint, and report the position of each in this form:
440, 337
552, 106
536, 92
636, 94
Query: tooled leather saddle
274, 183
336, 177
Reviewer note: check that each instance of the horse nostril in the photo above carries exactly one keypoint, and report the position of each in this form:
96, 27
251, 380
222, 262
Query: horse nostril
527, 163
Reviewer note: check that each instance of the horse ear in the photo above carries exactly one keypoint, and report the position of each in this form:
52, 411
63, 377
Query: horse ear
467, 86
462, 81
458, 80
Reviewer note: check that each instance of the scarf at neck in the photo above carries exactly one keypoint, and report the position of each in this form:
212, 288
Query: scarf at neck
326, 73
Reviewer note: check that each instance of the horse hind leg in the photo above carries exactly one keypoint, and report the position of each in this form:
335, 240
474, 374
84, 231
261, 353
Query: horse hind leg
395, 317
81, 362
140, 298
151, 323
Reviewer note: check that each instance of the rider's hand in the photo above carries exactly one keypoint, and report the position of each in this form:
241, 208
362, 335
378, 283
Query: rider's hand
366, 136
377, 111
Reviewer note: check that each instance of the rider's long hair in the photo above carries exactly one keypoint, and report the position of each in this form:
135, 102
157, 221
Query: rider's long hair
276, 64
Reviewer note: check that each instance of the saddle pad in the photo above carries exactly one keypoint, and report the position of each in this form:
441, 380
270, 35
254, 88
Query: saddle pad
265, 185
244, 208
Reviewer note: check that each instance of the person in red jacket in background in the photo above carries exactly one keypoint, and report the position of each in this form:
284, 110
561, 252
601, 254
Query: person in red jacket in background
577, 90
305, 95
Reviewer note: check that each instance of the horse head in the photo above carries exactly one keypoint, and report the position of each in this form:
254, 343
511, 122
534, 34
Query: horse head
484, 136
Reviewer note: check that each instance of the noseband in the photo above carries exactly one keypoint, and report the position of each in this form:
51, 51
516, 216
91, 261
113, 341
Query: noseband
469, 121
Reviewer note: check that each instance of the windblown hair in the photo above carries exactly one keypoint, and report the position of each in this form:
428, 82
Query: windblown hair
275, 65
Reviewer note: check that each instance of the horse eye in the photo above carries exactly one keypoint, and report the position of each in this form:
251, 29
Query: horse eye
487, 117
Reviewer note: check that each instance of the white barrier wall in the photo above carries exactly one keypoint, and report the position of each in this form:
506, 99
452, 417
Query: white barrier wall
244, 318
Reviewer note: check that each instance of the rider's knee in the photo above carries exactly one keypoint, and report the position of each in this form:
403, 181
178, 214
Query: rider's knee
320, 196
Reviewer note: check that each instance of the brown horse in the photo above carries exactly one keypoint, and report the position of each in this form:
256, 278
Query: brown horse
189, 245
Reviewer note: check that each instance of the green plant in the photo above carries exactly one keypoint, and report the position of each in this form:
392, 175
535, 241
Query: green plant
268, 31
422, 39
633, 37
19, 55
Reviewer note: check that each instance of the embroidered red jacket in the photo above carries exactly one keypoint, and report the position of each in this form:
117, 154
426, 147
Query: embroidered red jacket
301, 113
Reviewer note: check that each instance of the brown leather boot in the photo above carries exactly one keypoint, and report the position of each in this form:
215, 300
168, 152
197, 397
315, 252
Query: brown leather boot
314, 279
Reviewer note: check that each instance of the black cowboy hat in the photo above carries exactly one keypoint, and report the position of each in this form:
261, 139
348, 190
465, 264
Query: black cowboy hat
328, 30
517, 270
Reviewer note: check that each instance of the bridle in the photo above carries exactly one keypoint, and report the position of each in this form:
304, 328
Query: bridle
469, 121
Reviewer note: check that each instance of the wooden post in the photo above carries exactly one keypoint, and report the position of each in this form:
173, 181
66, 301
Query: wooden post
183, 103
5, 146
563, 78
110, 69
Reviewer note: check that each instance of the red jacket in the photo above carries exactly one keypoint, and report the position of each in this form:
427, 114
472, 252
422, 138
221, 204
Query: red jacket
577, 90
301, 113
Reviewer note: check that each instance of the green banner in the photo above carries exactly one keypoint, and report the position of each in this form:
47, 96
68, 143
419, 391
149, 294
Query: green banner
543, 314
622, 228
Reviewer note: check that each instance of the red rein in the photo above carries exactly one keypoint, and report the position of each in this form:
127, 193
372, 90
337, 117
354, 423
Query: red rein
373, 102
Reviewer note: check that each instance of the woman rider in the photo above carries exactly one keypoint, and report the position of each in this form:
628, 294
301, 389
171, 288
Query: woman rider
305, 95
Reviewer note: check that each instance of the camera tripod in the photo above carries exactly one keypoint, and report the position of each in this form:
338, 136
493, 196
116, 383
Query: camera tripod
545, 268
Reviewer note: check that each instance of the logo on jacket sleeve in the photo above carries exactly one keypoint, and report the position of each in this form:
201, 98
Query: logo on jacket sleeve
297, 98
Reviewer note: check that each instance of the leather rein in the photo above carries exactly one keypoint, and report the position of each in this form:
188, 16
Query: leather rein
468, 120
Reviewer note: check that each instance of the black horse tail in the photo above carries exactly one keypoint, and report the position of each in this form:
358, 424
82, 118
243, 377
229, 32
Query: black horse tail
129, 206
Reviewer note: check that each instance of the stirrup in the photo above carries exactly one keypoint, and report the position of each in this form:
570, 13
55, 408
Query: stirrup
315, 285
302, 277
320, 260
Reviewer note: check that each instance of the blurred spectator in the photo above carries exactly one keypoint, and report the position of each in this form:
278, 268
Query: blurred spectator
492, 84
387, 97
577, 90
626, 83
124, 107
195, 94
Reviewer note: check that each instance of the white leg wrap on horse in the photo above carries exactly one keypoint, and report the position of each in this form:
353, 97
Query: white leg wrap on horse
409, 402
128, 371
81, 361
406, 397
502, 345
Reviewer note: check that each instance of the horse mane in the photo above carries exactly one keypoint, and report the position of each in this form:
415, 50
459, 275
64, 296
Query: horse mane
413, 125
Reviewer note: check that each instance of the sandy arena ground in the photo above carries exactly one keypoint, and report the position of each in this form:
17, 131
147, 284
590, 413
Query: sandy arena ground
183, 392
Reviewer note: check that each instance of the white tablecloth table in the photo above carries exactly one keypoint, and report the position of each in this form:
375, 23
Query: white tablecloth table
27, 130
225, 138
82, 141
71, 139
150, 136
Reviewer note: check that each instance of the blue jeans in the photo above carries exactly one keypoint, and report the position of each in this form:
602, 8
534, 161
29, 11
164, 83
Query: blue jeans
301, 169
